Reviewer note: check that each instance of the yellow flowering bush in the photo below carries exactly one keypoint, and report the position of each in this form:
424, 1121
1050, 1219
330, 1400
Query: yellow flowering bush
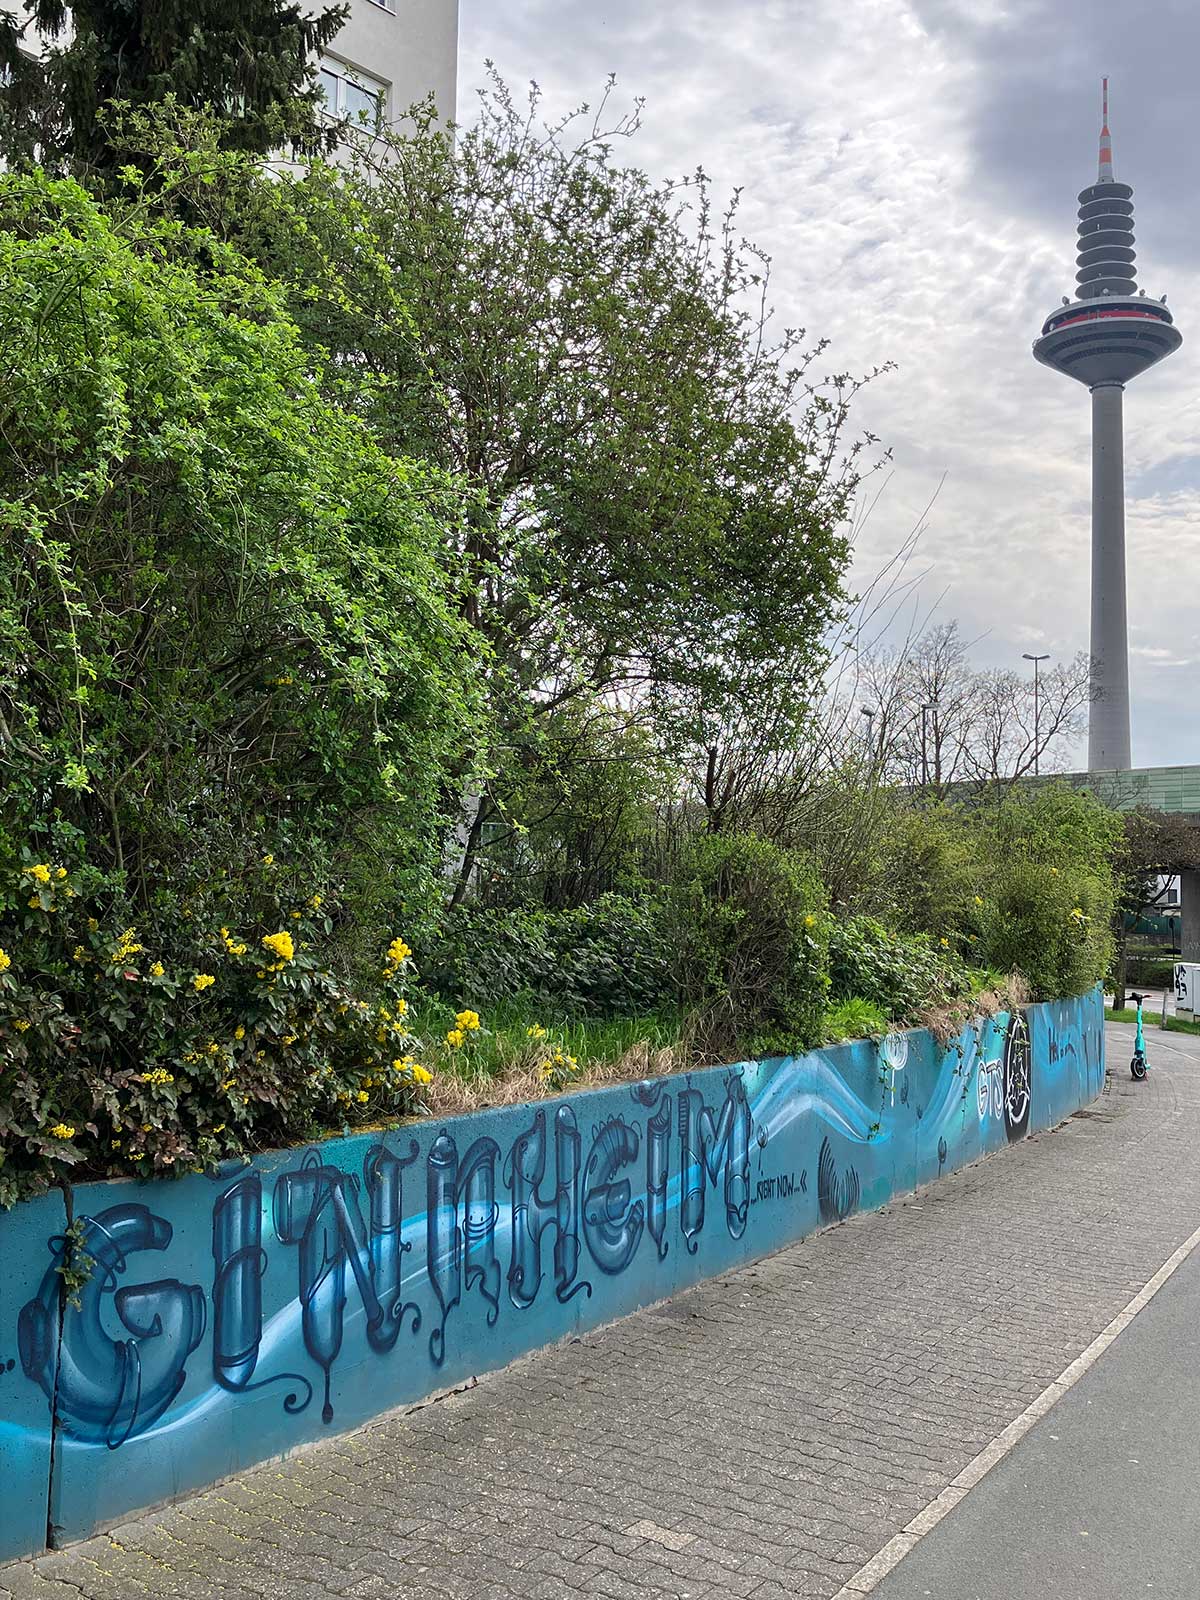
164, 1048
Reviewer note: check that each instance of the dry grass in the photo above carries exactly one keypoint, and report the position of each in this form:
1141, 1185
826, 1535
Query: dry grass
945, 1022
520, 1078
452, 1093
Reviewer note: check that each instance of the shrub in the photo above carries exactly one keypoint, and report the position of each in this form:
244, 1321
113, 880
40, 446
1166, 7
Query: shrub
165, 1051
606, 959
902, 975
1047, 906
748, 930
1150, 972
228, 621
1050, 925
931, 870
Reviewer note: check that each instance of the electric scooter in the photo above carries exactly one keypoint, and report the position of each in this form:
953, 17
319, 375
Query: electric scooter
1138, 1066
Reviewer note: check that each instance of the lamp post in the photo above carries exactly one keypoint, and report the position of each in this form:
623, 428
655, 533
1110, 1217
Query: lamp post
1036, 704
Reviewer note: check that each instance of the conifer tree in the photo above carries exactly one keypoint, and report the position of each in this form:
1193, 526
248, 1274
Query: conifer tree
252, 61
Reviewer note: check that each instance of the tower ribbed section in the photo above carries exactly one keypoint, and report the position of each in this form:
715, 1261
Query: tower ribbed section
1106, 252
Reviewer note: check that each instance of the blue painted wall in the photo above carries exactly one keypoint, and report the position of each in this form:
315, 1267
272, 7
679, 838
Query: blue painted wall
30, 1237
233, 1316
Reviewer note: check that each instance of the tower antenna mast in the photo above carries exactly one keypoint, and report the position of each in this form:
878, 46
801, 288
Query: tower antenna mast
1104, 337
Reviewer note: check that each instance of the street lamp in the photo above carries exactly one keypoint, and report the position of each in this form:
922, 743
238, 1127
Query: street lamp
1036, 704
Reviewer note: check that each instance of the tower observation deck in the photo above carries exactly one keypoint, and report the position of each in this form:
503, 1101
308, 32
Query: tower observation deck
1109, 333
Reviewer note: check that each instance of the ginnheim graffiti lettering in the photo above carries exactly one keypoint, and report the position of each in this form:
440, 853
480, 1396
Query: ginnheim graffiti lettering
227, 1318
343, 1231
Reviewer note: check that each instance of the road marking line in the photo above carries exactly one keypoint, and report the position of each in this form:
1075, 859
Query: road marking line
872, 1574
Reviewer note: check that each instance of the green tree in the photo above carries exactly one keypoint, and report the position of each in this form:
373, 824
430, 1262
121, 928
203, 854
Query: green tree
226, 617
253, 61
662, 477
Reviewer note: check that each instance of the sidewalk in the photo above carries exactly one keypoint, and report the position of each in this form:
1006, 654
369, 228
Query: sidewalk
761, 1436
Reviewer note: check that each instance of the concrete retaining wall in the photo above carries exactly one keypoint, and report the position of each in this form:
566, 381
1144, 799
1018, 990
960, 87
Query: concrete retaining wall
230, 1317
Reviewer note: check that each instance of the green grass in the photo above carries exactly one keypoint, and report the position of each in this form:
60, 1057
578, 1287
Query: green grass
1152, 1019
503, 1037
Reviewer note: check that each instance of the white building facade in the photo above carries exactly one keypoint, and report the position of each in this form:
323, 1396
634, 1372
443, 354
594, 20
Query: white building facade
391, 54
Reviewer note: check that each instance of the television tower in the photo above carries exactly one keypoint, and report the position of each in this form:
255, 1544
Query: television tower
1108, 334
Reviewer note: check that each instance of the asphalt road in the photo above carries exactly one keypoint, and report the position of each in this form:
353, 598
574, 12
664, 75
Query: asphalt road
1101, 1499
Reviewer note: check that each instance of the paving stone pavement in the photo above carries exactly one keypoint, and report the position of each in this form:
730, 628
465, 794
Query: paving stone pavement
759, 1437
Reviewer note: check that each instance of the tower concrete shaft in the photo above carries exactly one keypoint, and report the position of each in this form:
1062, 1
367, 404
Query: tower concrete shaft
1108, 725
1107, 335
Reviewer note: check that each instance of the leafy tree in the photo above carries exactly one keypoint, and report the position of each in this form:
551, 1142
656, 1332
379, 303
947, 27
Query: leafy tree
662, 478
228, 621
253, 61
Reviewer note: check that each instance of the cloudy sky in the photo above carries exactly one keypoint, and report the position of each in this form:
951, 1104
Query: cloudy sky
912, 166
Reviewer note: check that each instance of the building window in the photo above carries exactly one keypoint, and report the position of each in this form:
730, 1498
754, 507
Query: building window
352, 95
384, 5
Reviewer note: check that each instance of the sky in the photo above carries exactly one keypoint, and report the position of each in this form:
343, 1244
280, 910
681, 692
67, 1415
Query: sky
912, 168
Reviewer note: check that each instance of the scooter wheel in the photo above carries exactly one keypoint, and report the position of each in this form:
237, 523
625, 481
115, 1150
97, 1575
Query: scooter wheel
1137, 1068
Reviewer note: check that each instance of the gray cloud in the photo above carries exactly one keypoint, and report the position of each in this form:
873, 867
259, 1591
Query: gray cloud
912, 167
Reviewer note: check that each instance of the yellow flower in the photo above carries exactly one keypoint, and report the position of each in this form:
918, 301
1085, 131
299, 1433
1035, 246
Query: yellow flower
41, 873
945, 943
281, 944
159, 1075
268, 860
93, 924
202, 981
1054, 872
78, 953
978, 899
239, 1032
33, 902
1077, 914
315, 902
455, 1038
21, 1023
397, 953
62, 1130
295, 916
468, 1020
421, 1074
363, 1096
156, 969
5, 961
220, 1128
535, 1032
810, 921
61, 873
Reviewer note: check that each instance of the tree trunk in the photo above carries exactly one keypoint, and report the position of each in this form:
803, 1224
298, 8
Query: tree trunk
1120, 964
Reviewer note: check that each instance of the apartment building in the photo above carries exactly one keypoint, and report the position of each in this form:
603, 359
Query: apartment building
391, 54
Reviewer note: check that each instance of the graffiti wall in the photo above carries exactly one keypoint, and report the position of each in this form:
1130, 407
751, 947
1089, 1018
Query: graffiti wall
230, 1317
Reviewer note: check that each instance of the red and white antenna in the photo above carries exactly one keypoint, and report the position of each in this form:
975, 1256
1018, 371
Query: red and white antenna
1106, 164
